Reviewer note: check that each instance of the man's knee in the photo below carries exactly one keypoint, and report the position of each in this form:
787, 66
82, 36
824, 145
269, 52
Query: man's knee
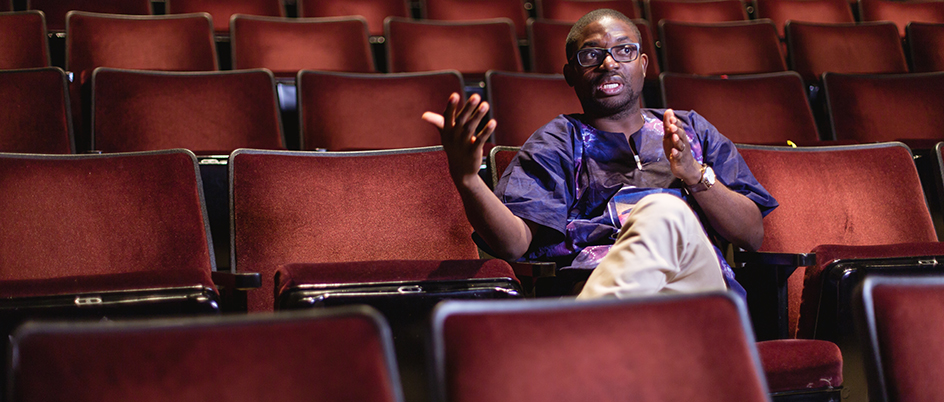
666, 206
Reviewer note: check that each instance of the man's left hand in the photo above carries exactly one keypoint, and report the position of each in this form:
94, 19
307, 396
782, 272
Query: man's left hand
678, 149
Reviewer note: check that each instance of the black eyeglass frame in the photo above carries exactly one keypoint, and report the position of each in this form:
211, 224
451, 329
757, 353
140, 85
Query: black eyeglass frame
607, 52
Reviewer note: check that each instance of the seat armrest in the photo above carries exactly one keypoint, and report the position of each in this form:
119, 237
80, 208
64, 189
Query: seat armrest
237, 280
764, 275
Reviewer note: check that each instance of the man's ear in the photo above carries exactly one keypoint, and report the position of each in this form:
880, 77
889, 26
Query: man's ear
569, 74
644, 59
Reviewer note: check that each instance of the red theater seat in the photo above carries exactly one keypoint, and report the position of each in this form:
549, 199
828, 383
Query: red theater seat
523, 102
36, 117
23, 40
222, 10
373, 11
572, 10
901, 12
56, 10
741, 47
465, 10
926, 46
864, 48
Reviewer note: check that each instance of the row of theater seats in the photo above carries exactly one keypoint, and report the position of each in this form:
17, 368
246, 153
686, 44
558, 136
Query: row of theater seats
217, 112
126, 234
258, 32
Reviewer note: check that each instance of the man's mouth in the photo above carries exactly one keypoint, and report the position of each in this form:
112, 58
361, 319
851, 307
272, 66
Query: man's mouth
610, 86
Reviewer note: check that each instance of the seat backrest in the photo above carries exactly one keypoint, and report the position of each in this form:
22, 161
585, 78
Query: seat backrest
373, 11
6, 5
336, 354
471, 47
694, 11
499, 158
56, 10
222, 10
206, 112
847, 195
572, 10
741, 47
523, 102
23, 41
731, 105
163, 42
869, 108
547, 46
901, 12
36, 117
67, 216
863, 48
350, 111
558, 350
289, 45
925, 41
464, 10
824, 11
334, 207
901, 318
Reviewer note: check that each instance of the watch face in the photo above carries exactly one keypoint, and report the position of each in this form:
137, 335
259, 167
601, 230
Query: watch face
709, 176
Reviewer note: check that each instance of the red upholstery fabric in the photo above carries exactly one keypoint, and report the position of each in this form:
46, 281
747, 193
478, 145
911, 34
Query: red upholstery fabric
844, 48
499, 159
6, 5
35, 117
743, 47
729, 103
619, 350
333, 356
572, 10
293, 44
171, 43
694, 11
56, 10
523, 102
907, 322
472, 47
548, 56
203, 112
823, 11
870, 108
901, 12
790, 364
23, 40
291, 275
464, 10
373, 11
341, 112
863, 195
71, 216
925, 42
222, 10
292, 207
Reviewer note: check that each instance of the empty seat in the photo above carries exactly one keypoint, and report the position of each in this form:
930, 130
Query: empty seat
548, 56
349, 111
901, 12
873, 47
925, 44
23, 40
35, 117
886, 107
753, 109
464, 10
373, 11
572, 10
823, 11
900, 337
558, 350
289, 45
694, 11
165, 42
338, 354
277, 220
56, 10
222, 10
6, 5
523, 102
742, 47
472, 48
206, 112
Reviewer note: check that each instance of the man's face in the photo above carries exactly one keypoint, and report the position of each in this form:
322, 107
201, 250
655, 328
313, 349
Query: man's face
611, 88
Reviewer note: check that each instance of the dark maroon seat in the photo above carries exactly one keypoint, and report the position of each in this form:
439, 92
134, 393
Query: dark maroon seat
373, 11
523, 102
740, 47
23, 40
862, 48
925, 41
56, 10
901, 12
222, 11
470, 10
36, 118
572, 10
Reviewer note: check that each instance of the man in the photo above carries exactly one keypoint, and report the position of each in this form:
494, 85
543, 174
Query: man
624, 190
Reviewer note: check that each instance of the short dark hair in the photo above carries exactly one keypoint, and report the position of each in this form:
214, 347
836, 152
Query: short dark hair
574, 35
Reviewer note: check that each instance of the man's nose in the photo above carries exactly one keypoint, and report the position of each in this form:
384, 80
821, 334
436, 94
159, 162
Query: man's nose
609, 63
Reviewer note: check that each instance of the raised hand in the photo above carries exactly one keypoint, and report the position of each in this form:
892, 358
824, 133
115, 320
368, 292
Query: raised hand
463, 146
678, 150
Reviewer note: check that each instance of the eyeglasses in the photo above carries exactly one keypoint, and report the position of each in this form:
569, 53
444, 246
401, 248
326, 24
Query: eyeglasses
594, 56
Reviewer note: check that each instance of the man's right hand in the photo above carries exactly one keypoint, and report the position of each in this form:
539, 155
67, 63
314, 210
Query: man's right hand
463, 146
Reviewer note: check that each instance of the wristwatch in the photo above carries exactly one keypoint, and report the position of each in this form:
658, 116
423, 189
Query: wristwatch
707, 180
